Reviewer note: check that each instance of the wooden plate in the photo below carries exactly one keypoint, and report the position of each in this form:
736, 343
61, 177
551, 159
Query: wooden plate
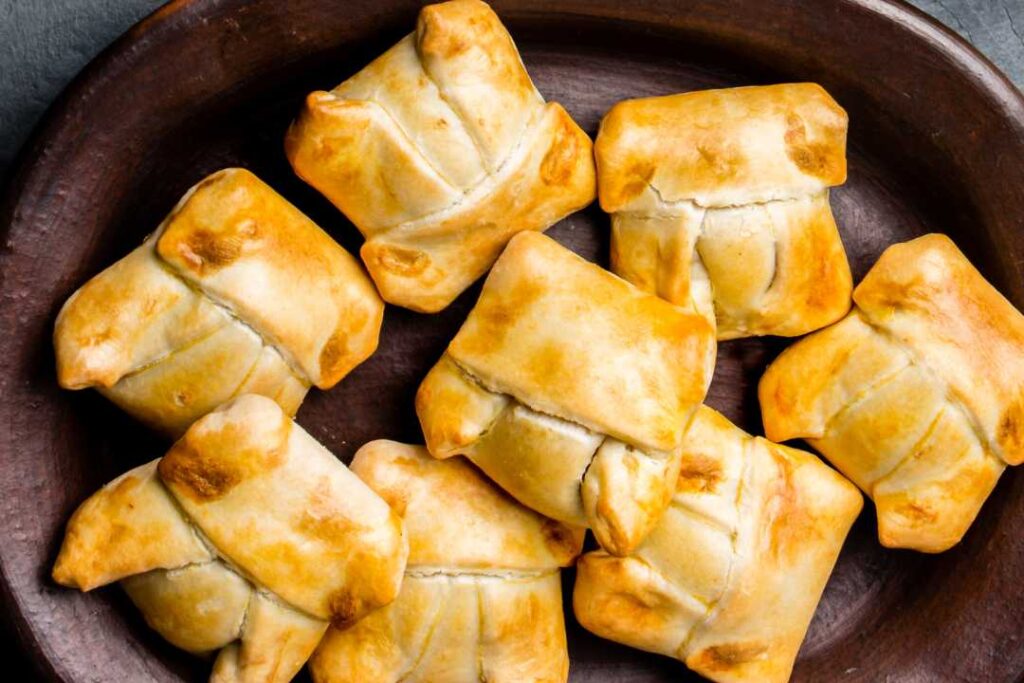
936, 144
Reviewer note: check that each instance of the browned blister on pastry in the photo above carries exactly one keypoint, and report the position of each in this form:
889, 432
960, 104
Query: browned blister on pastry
730, 578
236, 292
916, 395
481, 599
571, 389
719, 201
248, 537
439, 151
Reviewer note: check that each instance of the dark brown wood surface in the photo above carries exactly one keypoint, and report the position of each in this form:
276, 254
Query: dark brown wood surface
936, 144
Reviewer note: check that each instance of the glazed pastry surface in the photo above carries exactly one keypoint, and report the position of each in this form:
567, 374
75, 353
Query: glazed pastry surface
730, 578
248, 537
719, 202
441, 150
916, 395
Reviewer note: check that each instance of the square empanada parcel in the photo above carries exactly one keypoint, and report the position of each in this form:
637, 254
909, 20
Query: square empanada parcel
571, 389
439, 151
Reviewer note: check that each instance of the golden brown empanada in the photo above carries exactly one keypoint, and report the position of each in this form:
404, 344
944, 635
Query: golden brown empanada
729, 579
481, 599
248, 537
439, 151
719, 200
570, 388
917, 395
236, 292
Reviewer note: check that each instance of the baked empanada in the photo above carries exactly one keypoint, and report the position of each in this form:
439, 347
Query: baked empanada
719, 200
729, 579
917, 395
570, 388
481, 599
439, 151
248, 537
236, 292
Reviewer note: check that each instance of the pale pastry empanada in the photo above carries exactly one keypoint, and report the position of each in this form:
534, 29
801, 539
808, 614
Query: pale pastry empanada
248, 537
571, 389
481, 599
730, 578
917, 395
719, 200
439, 151
236, 292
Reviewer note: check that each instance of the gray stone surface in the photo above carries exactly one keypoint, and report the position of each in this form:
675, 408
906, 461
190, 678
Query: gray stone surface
44, 43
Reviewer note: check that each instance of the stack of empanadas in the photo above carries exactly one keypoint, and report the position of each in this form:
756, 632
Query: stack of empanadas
574, 396
248, 537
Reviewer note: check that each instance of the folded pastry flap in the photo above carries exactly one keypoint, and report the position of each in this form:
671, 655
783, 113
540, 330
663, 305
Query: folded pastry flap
522, 631
625, 492
885, 426
129, 526
199, 608
569, 339
275, 645
173, 393
657, 254
246, 247
627, 600
815, 378
927, 296
777, 268
387, 644
453, 410
452, 651
354, 154
540, 460
467, 52
426, 263
930, 500
797, 514
130, 315
285, 511
721, 147
397, 82
456, 519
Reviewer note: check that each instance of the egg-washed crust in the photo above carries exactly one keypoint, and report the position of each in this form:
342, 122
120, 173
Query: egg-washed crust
236, 292
481, 599
570, 388
729, 580
439, 151
915, 395
247, 530
719, 200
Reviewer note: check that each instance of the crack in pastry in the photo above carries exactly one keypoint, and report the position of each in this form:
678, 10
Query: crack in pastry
719, 203
915, 395
236, 292
248, 537
464, 153
481, 599
571, 389
730, 578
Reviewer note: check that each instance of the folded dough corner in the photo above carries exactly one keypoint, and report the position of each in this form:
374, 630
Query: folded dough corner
571, 389
236, 292
247, 537
439, 151
731, 576
719, 201
481, 599
917, 395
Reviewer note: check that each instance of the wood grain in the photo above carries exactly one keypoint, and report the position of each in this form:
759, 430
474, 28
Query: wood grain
937, 138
